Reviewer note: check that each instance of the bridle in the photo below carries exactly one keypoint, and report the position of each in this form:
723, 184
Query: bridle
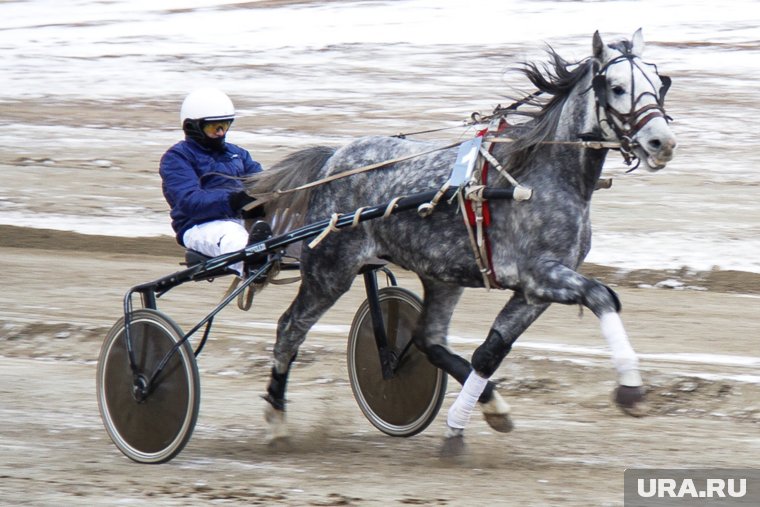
628, 124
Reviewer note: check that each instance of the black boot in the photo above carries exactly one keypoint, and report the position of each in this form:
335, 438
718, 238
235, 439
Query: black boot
260, 231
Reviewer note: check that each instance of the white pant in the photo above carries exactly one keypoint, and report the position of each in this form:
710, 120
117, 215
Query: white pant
216, 238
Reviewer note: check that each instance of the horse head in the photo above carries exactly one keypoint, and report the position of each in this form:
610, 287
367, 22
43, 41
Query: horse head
630, 102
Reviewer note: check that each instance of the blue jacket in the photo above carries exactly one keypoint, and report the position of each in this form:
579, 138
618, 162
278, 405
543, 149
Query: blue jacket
196, 183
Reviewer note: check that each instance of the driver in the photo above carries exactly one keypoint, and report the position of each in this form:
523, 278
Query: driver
201, 180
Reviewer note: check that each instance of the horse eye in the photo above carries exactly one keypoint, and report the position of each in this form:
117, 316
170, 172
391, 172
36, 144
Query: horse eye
618, 90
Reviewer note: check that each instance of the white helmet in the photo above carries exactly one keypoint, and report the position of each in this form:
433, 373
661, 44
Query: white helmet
209, 104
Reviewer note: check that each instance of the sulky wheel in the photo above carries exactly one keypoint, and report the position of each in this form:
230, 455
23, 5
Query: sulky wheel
406, 403
152, 427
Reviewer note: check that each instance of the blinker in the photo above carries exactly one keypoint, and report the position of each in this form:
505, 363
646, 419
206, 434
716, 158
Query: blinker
666, 81
599, 83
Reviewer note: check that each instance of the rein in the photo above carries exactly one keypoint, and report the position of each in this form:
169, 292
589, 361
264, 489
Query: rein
263, 198
268, 196
592, 145
628, 128
470, 193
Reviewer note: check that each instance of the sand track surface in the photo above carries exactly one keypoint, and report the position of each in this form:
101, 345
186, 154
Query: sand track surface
570, 445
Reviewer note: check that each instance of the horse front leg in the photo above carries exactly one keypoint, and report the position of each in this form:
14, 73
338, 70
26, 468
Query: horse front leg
561, 284
516, 316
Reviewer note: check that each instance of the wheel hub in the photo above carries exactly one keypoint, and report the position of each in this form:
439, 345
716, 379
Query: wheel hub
140, 388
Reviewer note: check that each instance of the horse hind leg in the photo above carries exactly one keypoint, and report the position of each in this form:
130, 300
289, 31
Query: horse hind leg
511, 322
315, 296
497, 412
430, 334
274, 412
430, 337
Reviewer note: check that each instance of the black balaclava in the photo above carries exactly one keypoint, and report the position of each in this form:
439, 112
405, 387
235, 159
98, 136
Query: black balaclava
194, 130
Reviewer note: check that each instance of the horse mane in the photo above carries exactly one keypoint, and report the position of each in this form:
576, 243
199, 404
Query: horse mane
556, 78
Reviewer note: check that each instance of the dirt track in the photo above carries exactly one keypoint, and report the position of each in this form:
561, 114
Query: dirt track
75, 155
570, 445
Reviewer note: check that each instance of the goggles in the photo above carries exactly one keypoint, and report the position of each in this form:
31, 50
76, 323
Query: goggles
213, 127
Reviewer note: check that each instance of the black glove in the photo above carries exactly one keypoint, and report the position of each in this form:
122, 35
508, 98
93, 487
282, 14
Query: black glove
238, 200
257, 212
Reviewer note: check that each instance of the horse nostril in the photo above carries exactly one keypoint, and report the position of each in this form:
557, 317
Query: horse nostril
666, 147
662, 148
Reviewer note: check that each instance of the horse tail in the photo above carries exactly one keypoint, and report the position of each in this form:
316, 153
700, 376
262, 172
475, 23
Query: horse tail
277, 187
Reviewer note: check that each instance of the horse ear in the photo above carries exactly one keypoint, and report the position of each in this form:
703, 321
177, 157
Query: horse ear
598, 47
637, 43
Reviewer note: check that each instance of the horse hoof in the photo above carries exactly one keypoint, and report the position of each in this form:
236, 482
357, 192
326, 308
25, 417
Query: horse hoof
281, 444
453, 446
278, 429
631, 400
499, 422
496, 413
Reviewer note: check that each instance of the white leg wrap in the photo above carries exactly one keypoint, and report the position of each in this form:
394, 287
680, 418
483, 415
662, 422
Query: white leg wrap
461, 409
623, 356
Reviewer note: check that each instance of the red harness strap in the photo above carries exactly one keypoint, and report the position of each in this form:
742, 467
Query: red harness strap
485, 210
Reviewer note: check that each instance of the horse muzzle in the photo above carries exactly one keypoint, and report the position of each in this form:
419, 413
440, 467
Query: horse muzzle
655, 147
656, 153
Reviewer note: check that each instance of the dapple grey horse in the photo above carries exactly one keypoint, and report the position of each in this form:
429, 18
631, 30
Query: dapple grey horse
536, 245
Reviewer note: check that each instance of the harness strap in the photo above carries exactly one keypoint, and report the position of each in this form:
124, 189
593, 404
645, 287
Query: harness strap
245, 298
495, 163
279, 281
426, 208
649, 117
332, 226
327, 230
480, 259
593, 145
476, 211
357, 216
392, 205
264, 197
